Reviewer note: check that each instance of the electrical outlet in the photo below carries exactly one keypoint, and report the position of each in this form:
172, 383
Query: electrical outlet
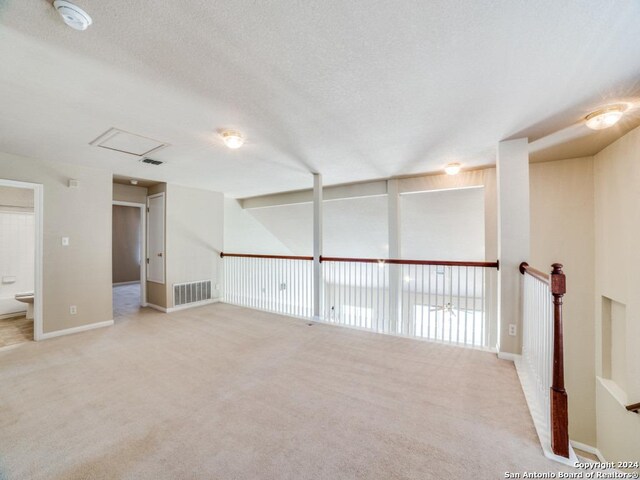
512, 329
73, 309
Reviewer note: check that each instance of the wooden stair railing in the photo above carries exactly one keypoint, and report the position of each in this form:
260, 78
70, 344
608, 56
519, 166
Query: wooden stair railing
634, 408
558, 396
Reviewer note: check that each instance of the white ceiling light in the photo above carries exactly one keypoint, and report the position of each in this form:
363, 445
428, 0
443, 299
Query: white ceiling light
133, 182
232, 138
605, 117
72, 15
452, 169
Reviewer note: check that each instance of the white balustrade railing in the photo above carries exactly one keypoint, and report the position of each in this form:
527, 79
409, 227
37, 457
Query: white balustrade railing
540, 366
449, 302
275, 284
445, 303
537, 343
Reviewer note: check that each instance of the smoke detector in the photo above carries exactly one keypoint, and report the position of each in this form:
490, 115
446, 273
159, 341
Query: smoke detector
72, 15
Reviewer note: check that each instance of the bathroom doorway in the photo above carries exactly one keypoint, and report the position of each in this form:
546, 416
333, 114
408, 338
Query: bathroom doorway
20, 262
128, 258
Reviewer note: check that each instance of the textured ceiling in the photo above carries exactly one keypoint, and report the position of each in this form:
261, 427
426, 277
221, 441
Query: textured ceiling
354, 89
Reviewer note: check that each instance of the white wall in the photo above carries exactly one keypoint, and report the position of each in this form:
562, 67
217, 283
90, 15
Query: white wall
617, 277
79, 274
17, 247
562, 230
243, 232
443, 225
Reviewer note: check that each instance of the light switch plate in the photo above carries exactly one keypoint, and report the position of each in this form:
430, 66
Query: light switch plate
65, 241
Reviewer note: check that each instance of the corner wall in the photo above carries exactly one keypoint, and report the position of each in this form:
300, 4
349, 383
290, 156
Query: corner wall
79, 274
562, 230
617, 277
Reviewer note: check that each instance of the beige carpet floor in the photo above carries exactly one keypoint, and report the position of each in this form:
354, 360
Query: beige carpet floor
222, 392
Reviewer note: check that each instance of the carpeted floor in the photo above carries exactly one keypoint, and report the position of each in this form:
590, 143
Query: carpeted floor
222, 392
15, 330
126, 300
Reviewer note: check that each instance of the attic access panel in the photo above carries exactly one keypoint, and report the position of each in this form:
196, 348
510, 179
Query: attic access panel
125, 142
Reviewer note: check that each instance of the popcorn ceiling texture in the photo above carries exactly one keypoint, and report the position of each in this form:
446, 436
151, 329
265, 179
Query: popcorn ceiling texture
355, 90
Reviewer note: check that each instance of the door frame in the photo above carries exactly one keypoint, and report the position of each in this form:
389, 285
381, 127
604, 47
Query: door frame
143, 247
38, 287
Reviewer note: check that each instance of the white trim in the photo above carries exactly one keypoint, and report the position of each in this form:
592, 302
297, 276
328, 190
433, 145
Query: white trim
38, 210
528, 387
143, 248
192, 305
183, 307
589, 449
512, 357
81, 328
156, 307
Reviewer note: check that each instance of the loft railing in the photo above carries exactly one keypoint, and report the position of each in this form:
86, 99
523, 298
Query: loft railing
542, 353
445, 301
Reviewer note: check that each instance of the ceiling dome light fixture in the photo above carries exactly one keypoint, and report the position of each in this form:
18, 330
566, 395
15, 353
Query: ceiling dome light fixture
605, 117
452, 169
232, 138
72, 15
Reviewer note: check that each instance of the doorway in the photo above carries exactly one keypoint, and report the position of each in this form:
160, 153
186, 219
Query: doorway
21, 283
128, 258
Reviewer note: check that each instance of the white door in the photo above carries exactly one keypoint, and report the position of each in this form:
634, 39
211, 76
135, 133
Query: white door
155, 238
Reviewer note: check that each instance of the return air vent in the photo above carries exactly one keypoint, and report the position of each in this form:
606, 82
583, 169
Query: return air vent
191, 292
151, 161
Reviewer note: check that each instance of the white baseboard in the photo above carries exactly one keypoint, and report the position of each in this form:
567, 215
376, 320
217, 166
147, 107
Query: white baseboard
81, 328
192, 305
156, 307
512, 357
182, 307
589, 449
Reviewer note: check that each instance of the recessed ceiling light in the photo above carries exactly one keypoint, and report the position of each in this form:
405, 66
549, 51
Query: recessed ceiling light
452, 169
73, 15
232, 138
133, 182
605, 117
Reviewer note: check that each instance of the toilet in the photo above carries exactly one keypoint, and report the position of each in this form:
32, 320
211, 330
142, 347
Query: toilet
28, 299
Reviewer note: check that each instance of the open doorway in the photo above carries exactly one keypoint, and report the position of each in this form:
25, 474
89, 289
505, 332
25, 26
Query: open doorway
128, 258
20, 262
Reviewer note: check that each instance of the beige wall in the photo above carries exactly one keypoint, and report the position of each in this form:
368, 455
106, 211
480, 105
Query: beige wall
617, 277
562, 230
79, 274
194, 234
126, 238
129, 193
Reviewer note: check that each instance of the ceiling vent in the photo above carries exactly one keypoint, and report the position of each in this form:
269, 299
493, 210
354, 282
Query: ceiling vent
130, 143
151, 161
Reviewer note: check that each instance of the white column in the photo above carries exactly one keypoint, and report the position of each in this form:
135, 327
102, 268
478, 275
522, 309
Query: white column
317, 244
513, 237
393, 198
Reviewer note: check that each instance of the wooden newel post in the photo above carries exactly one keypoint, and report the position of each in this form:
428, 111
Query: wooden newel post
559, 407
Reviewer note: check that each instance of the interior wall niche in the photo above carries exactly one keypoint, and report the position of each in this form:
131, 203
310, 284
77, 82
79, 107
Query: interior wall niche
614, 342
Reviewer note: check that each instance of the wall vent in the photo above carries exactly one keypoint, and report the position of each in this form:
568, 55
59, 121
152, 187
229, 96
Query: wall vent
151, 161
191, 292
